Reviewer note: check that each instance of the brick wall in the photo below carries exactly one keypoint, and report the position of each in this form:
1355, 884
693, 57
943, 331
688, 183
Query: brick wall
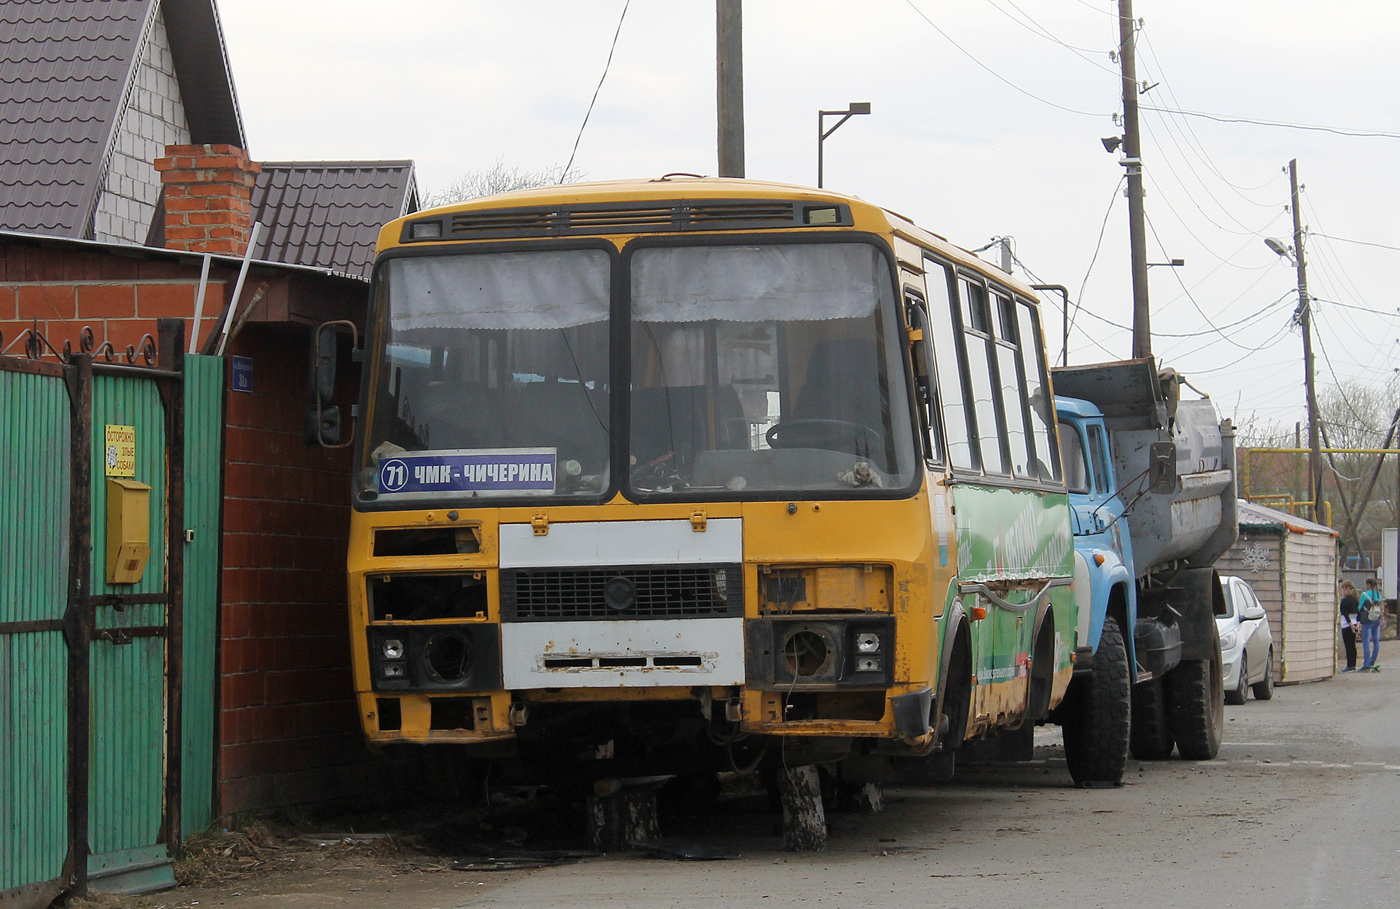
290, 731
118, 298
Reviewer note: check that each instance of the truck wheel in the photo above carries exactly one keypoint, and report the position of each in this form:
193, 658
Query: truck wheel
1264, 688
1151, 738
1196, 707
1236, 695
1096, 726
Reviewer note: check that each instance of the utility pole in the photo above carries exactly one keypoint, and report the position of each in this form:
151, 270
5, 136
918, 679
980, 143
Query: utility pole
1304, 318
729, 53
1132, 161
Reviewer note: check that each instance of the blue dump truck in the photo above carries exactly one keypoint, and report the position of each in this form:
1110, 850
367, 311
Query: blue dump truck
1151, 482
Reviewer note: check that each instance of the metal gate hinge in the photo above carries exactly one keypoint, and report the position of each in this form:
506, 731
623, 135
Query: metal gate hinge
697, 521
541, 524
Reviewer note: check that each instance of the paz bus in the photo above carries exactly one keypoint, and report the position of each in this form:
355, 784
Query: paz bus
692, 474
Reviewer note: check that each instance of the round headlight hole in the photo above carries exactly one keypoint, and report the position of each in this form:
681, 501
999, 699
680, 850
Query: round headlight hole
806, 653
448, 657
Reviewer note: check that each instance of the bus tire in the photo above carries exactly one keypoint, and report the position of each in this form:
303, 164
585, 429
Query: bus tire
1096, 728
1151, 738
1196, 706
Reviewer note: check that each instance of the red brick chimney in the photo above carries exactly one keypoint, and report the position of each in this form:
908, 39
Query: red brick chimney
208, 189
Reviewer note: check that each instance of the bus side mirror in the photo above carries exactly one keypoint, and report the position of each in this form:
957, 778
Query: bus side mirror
323, 424
1162, 471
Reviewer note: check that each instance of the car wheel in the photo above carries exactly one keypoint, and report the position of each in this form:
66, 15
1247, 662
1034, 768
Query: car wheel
1264, 688
1237, 694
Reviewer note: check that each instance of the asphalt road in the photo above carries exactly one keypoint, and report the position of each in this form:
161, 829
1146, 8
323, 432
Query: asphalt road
1301, 809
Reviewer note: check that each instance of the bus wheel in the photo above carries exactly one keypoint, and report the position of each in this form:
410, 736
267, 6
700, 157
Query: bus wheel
1096, 727
804, 818
1151, 738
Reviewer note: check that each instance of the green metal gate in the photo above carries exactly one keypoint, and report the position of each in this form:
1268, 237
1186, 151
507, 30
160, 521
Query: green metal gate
117, 699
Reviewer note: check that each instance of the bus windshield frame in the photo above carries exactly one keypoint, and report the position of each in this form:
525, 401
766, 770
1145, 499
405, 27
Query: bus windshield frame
548, 368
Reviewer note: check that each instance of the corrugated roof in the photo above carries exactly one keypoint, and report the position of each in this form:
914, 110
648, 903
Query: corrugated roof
327, 214
66, 67
1259, 517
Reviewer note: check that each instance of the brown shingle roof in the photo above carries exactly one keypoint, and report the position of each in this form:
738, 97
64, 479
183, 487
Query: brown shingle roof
328, 213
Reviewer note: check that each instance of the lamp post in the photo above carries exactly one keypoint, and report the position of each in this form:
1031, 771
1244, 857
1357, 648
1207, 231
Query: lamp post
855, 108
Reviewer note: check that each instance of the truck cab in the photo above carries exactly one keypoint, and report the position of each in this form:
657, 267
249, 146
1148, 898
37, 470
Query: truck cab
1103, 549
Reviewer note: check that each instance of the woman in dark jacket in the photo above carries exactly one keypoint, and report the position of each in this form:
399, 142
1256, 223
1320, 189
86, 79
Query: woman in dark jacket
1350, 624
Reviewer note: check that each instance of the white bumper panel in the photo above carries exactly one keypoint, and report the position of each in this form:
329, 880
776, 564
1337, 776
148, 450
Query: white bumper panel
628, 654
586, 543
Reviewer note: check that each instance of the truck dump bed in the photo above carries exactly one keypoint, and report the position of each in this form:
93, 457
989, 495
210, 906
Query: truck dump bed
1199, 521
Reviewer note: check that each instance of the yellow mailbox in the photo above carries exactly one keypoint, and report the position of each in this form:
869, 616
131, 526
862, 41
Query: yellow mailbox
128, 530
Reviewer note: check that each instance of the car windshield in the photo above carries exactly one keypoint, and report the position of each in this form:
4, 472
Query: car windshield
767, 368
493, 376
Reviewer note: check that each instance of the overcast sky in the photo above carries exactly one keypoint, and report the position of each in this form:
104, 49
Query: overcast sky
990, 128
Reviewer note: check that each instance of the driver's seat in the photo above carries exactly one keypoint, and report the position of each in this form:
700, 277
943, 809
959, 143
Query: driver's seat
843, 383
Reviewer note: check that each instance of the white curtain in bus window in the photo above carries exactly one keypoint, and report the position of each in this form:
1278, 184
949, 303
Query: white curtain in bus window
945, 328
977, 333
756, 283
527, 290
767, 367
1008, 374
1042, 409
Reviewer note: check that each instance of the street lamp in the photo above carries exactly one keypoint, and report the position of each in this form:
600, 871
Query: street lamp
1281, 249
1174, 263
855, 108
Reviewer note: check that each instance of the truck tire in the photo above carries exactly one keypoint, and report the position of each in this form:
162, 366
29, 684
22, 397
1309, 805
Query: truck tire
1196, 706
1151, 738
1097, 724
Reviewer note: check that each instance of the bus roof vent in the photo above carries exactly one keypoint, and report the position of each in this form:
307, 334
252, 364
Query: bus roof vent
635, 217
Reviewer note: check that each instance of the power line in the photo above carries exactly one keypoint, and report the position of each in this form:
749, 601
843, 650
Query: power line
1079, 298
968, 54
607, 66
1040, 31
1341, 131
1313, 233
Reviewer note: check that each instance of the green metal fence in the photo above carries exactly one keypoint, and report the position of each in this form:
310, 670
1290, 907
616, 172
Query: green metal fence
106, 689
34, 489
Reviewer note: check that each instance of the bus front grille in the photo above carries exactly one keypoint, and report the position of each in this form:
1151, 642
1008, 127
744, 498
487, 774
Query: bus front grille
622, 593
627, 217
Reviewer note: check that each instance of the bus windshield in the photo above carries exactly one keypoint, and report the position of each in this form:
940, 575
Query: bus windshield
755, 369
768, 368
494, 375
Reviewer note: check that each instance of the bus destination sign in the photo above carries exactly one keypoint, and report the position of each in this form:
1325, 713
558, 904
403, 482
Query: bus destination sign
519, 470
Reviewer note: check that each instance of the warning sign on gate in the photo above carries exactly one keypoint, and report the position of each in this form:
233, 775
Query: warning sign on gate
119, 449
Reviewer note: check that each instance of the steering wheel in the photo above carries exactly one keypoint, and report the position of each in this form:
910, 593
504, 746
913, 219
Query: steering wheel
832, 435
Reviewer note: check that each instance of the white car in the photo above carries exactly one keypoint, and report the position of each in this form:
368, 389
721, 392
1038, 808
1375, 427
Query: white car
1246, 644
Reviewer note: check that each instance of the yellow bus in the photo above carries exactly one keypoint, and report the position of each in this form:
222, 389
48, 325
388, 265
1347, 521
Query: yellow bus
690, 474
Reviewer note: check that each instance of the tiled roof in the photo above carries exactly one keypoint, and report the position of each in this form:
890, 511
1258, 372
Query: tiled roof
328, 213
66, 67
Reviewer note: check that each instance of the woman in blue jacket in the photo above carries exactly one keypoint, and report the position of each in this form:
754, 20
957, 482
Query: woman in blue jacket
1372, 614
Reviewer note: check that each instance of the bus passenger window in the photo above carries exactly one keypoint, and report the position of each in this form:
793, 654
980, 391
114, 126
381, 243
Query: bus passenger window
980, 347
1072, 452
1042, 409
956, 420
924, 377
1013, 388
